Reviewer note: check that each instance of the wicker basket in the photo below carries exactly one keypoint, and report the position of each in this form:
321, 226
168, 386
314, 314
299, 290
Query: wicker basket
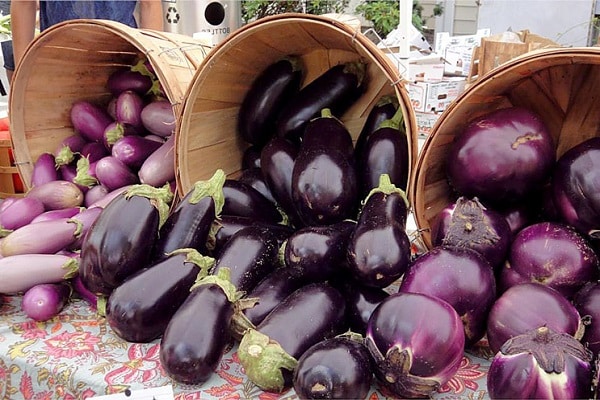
207, 138
562, 85
72, 61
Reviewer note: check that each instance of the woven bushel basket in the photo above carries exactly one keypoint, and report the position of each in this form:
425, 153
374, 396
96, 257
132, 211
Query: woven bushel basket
562, 85
207, 137
72, 61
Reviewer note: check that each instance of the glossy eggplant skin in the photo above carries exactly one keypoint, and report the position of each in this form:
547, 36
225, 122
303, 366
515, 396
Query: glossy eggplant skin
243, 200
250, 254
197, 335
119, 243
379, 250
328, 131
265, 98
254, 177
384, 109
324, 187
361, 300
385, 151
140, 309
318, 252
336, 368
336, 88
271, 291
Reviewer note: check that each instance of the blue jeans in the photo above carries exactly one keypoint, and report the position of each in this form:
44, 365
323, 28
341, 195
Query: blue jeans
7, 53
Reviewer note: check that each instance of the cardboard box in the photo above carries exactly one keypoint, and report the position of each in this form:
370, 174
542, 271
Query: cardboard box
425, 122
435, 96
457, 51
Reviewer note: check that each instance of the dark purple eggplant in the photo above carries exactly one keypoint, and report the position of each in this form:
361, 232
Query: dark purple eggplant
250, 255
379, 250
271, 291
269, 353
277, 160
251, 157
189, 224
272, 88
128, 109
89, 120
336, 368
336, 88
318, 252
140, 308
243, 200
127, 79
121, 240
158, 118
198, 333
68, 147
324, 186
254, 177
384, 109
329, 132
133, 150
385, 151
93, 151
44, 170
44, 301
361, 300
113, 173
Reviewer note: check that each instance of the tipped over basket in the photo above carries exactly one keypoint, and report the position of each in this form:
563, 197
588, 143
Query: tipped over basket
207, 138
561, 85
72, 61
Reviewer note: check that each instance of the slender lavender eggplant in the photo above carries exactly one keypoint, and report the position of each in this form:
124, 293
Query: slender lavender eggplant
254, 177
198, 333
21, 272
336, 88
318, 252
140, 308
18, 213
384, 109
133, 150
57, 194
110, 196
266, 97
328, 131
243, 200
250, 255
44, 170
89, 120
121, 240
46, 237
95, 194
336, 368
113, 173
269, 353
56, 214
159, 167
189, 224
46, 300
379, 250
158, 118
324, 186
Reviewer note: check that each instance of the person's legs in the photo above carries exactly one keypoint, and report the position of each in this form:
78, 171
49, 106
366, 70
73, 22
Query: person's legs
9, 61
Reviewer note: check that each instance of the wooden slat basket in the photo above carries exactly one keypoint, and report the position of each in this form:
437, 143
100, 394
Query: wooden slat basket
562, 85
72, 61
207, 138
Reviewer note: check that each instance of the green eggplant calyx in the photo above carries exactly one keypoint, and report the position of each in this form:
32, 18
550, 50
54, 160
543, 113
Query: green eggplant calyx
212, 187
114, 134
64, 157
221, 278
83, 176
159, 197
71, 268
205, 263
387, 187
263, 360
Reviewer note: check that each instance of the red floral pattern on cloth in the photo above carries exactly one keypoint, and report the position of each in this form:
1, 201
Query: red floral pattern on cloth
77, 356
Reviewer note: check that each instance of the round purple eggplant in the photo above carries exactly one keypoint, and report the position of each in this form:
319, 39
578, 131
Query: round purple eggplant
44, 301
336, 368
379, 250
198, 333
140, 308
384, 109
318, 252
243, 200
269, 353
324, 186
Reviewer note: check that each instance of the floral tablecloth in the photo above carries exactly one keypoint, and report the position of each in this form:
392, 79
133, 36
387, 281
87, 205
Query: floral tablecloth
77, 356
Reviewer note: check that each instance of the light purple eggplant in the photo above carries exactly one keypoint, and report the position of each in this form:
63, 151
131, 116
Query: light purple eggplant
46, 300
103, 201
7, 202
128, 109
115, 131
134, 150
18, 213
86, 217
159, 167
57, 194
21, 272
158, 117
56, 214
84, 292
46, 237
44, 170
94, 194
113, 174
66, 151
89, 120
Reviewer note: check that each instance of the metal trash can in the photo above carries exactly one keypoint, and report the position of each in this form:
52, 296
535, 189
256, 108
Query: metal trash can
217, 18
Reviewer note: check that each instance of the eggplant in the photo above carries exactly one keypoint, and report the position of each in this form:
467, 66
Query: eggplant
271, 291
324, 186
361, 301
83, 292
19, 212
115, 131
93, 151
89, 120
269, 353
68, 147
277, 161
159, 167
251, 157
266, 97
336, 88
44, 170
317, 253
250, 255
121, 240
128, 109
133, 150
57, 214
57, 194
44, 301
328, 131
385, 151
336, 368
189, 224
140, 308
95, 194
127, 79
85, 174
243, 200
198, 333
158, 118
384, 109
379, 251
21, 272
254, 177
113, 173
